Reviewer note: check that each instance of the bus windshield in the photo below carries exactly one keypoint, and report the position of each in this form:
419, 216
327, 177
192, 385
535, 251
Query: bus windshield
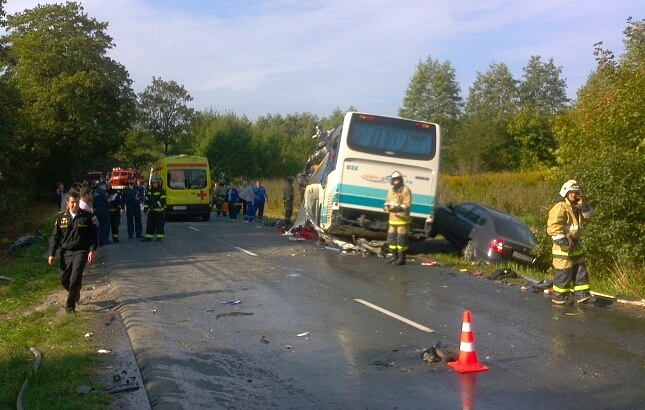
392, 137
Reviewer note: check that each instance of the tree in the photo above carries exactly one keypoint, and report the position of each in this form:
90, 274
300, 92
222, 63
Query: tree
433, 92
434, 95
164, 113
533, 140
226, 141
77, 102
542, 88
482, 143
495, 91
601, 145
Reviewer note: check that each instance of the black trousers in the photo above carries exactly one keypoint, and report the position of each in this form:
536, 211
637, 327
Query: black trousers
72, 264
156, 223
115, 221
133, 218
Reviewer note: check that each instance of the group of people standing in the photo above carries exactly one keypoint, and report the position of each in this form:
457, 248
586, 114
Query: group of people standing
228, 201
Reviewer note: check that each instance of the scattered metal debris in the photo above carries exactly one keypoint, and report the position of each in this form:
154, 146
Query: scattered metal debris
367, 247
439, 353
232, 314
382, 363
102, 308
263, 339
39, 357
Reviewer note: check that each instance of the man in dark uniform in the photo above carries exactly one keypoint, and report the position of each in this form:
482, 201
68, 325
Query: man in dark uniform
101, 204
115, 213
155, 207
76, 236
287, 198
132, 197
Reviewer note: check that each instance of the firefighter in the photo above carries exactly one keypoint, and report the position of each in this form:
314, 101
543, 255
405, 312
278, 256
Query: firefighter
77, 238
397, 204
287, 198
155, 207
564, 226
115, 213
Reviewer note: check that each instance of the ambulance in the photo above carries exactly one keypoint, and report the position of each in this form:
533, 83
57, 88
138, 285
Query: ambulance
187, 182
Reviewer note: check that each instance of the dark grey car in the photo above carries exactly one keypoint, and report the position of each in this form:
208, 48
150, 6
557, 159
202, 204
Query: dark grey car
484, 233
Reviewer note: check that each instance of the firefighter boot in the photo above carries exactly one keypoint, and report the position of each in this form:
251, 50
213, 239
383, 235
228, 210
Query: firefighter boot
393, 257
400, 260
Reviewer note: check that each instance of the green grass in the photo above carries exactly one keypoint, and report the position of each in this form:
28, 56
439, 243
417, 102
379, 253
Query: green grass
69, 359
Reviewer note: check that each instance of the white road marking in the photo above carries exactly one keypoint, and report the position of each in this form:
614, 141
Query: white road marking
395, 316
193, 228
245, 251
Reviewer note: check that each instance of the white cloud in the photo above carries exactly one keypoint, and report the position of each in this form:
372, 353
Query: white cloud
283, 56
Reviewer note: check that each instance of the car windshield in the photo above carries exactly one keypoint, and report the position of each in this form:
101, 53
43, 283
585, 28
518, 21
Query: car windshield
513, 230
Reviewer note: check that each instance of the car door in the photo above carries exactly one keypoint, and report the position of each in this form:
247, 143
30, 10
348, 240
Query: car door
480, 233
462, 223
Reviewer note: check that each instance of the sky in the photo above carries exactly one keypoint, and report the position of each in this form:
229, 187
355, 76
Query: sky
268, 57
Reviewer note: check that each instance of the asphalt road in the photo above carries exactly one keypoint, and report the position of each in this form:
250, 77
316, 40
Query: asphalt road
307, 332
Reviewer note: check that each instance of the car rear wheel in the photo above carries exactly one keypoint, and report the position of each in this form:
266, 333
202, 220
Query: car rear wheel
468, 253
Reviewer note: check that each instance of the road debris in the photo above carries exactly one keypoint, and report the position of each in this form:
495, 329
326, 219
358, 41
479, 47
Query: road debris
503, 273
38, 358
233, 314
102, 308
231, 302
263, 339
104, 351
367, 247
382, 363
302, 334
439, 353
111, 390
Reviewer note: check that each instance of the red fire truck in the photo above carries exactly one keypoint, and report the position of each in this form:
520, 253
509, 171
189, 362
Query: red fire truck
119, 177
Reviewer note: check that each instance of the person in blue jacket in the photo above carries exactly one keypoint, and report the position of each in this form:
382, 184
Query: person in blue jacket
260, 199
101, 204
233, 199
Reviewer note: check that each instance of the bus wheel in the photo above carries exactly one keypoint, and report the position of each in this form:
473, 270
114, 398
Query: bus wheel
206, 217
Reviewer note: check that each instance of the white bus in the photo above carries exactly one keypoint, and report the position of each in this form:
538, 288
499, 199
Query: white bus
346, 193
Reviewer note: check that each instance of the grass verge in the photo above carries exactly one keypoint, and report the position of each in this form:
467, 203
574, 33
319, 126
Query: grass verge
30, 317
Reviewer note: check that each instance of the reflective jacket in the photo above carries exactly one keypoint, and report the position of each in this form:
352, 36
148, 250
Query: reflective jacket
402, 197
155, 200
565, 222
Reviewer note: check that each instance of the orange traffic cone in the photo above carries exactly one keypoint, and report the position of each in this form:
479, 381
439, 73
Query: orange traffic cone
467, 361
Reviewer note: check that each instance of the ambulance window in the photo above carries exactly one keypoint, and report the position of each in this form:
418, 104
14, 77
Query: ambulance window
176, 179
